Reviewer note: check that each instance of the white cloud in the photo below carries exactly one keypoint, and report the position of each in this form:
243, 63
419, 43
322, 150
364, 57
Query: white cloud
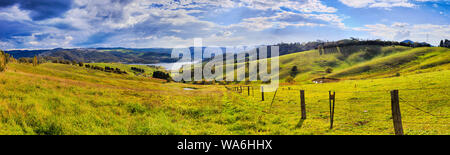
399, 25
427, 0
155, 20
303, 5
402, 31
13, 13
378, 3
6, 45
284, 19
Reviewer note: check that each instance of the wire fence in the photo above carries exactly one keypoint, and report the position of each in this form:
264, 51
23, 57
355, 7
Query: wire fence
419, 106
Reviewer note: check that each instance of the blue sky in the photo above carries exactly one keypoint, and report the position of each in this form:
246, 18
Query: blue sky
37, 24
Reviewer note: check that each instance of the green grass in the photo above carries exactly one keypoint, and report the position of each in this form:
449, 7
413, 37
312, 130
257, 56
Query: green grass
364, 62
64, 99
363, 106
403, 62
55, 99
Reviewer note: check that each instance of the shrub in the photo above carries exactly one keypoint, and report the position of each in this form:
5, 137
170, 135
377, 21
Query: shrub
108, 69
137, 69
294, 71
329, 70
161, 75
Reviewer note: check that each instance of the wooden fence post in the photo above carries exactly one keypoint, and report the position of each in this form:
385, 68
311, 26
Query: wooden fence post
332, 99
248, 90
302, 103
262, 93
396, 115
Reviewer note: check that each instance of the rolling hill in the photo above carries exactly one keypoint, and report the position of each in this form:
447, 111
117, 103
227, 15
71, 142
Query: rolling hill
359, 62
61, 99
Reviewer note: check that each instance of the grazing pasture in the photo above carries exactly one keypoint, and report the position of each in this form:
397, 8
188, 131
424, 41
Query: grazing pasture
62, 99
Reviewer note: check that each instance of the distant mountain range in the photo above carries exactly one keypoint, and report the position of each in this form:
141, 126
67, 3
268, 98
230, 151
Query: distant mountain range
408, 41
158, 55
412, 42
102, 54
123, 55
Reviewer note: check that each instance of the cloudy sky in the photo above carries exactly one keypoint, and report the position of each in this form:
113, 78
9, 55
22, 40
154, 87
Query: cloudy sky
33, 24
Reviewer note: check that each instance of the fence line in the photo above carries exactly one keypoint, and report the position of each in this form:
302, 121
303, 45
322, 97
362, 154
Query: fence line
396, 114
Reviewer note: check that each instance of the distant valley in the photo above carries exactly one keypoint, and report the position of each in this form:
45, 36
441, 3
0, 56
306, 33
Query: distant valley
122, 55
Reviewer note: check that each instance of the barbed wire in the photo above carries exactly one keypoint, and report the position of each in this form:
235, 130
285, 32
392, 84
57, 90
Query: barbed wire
382, 90
427, 101
358, 100
337, 91
424, 123
417, 108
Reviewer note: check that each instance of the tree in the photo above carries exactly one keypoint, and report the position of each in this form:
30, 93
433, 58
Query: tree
35, 62
441, 44
2, 61
294, 71
161, 75
329, 70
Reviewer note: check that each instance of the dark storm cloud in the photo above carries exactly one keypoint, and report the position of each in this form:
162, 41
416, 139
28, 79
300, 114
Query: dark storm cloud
96, 38
64, 26
40, 9
9, 29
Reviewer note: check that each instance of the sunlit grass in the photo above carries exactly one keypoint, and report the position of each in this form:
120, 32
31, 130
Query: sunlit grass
66, 99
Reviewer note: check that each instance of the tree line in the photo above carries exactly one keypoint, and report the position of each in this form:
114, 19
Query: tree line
355, 41
106, 69
137, 69
444, 43
162, 75
287, 48
36, 60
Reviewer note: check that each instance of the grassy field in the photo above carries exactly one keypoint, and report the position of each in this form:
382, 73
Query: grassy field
363, 106
65, 99
369, 62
